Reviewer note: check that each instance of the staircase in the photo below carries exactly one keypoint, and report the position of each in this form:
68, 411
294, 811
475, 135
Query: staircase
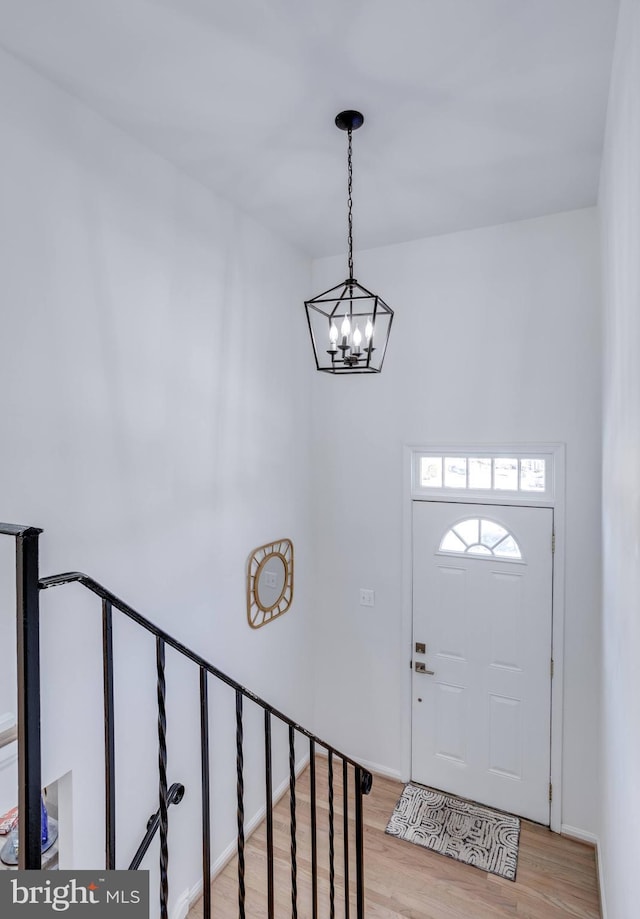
353, 780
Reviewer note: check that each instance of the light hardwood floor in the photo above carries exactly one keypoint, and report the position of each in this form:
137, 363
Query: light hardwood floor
556, 876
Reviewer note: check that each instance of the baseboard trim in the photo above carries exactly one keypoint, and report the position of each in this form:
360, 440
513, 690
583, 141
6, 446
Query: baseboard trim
378, 769
190, 896
375, 768
574, 832
601, 889
181, 906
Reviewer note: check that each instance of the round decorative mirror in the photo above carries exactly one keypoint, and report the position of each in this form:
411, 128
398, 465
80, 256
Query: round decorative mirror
269, 582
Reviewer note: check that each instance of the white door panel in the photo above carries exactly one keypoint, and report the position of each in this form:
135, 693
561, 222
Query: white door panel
481, 723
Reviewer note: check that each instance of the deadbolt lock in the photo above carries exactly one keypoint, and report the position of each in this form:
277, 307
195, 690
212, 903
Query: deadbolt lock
421, 647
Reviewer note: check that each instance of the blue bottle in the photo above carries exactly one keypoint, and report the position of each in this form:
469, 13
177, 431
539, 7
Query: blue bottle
44, 822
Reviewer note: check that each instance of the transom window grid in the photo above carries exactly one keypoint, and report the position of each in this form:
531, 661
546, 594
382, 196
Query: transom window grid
526, 477
480, 537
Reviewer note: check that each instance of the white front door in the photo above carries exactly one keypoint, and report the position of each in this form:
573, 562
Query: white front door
481, 710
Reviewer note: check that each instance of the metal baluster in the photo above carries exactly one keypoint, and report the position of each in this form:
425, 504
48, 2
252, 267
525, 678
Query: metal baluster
292, 801
345, 811
109, 737
162, 774
269, 806
359, 845
332, 871
240, 790
314, 841
206, 797
28, 639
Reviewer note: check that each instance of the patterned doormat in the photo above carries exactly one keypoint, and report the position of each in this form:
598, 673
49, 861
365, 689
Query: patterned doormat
469, 832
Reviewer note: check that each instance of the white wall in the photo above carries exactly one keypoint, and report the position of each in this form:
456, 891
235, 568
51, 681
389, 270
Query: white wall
496, 338
620, 222
154, 394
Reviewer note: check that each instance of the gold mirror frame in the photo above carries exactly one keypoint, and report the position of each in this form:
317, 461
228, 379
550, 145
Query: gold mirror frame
258, 612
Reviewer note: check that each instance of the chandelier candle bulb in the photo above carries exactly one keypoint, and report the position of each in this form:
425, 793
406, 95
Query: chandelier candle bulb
333, 338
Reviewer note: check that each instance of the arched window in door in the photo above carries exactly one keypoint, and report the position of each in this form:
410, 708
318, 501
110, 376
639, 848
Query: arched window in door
482, 537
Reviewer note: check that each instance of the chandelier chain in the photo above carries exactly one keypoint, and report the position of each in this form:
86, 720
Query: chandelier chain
350, 203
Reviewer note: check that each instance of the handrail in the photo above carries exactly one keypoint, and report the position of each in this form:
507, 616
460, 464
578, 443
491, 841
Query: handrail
17, 529
174, 796
70, 577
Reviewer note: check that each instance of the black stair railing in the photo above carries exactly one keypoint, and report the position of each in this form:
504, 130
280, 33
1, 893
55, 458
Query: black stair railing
353, 774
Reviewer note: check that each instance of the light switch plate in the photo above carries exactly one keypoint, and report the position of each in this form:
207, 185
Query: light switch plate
367, 597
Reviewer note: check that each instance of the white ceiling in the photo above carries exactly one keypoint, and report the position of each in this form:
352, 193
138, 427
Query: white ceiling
476, 111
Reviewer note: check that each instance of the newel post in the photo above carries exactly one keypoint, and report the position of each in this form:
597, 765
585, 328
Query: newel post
28, 642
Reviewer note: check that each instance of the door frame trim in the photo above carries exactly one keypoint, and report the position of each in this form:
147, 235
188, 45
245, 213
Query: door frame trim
556, 501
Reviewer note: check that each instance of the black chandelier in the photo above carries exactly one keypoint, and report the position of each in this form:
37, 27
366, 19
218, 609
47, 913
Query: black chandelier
349, 324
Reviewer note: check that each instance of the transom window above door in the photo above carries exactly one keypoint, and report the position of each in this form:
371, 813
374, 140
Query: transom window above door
491, 473
519, 476
479, 536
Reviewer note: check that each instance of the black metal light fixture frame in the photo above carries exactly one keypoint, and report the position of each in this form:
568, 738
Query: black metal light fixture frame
349, 325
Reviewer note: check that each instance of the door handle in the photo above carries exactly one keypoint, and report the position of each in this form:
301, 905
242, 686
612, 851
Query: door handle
422, 668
